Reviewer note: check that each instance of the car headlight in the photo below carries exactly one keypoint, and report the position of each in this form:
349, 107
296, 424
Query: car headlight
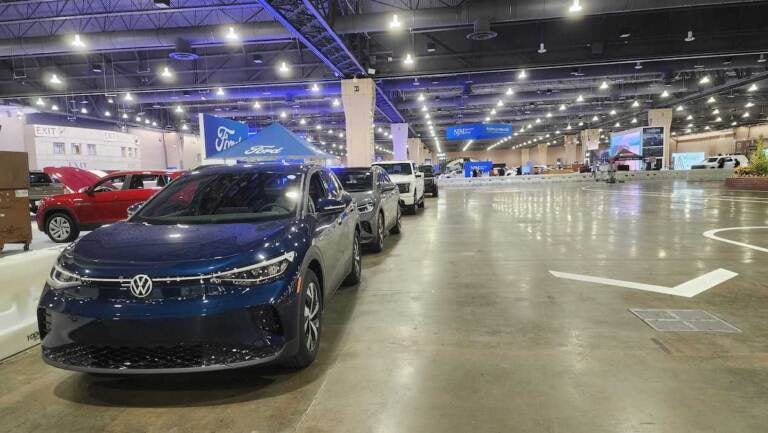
258, 273
365, 207
59, 278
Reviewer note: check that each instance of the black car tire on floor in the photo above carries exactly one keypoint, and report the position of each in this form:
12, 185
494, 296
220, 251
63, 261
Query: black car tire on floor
378, 244
356, 272
434, 194
421, 203
310, 311
61, 227
395, 230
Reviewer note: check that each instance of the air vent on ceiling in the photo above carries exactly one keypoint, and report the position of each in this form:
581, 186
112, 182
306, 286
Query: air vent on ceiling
482, 30
183, 51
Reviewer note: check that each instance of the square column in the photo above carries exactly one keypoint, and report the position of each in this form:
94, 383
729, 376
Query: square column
662, 117
543, 153
359, 98
415, 150
400, 141
571, 155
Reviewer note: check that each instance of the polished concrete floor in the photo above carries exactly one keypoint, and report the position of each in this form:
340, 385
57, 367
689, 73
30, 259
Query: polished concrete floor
459, 327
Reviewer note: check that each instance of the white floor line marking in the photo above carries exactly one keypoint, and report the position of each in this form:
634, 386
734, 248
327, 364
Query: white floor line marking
688, 289
712, 234
679, 196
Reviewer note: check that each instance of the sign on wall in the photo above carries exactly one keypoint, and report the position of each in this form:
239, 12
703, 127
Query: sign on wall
48, 131
478, 131
220, 134
477, 168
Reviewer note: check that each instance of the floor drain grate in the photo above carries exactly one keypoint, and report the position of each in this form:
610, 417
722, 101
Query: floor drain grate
683, 321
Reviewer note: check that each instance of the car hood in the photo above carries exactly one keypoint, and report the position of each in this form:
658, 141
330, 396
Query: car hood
361, 196
127, 248
402, 178
72, 177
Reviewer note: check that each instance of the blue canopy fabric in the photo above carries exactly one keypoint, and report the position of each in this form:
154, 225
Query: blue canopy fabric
273, 143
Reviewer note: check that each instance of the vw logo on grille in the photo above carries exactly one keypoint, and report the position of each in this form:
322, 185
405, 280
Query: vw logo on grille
141, 286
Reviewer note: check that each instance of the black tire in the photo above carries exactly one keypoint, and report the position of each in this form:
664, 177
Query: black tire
435, 193
421, 202
395, 230
355, 274
307, 305
61, 228
378, 244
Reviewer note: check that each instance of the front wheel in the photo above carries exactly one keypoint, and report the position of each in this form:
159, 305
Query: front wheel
434, 194
355, 274
310, 313
378, 244
395, 230
61, 227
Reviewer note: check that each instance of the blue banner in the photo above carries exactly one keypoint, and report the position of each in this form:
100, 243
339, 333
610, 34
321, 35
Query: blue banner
221, 134
478, 131
477, 168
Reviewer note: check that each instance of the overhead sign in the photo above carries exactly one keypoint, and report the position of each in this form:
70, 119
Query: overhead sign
477, 168
478, 131
220, 134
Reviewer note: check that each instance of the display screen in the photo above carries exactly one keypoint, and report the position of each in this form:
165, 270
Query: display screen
653, 142
684, 160
627, 144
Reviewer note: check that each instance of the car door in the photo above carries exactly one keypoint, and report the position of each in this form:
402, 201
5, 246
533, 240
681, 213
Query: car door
419, 181
326, 232
346, 225
97, 204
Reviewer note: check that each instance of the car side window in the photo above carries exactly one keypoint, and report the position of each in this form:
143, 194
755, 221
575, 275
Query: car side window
147, 181
316, 192
332, 186
383, 178
114, 183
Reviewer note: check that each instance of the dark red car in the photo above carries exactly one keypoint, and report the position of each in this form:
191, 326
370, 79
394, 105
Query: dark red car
62, 217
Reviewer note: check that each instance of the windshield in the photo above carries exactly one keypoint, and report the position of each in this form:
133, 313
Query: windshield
355, 180
397, 168
223, 198
712, 159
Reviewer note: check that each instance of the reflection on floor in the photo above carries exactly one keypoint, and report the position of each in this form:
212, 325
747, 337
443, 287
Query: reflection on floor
458, 326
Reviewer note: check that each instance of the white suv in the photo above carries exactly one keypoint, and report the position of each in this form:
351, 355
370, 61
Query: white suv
409, 181
724, 161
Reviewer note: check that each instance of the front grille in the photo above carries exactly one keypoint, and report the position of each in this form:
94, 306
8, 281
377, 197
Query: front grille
404, 187
116, 291
165, 357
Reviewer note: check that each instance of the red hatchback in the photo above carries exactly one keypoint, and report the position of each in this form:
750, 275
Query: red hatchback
62, 217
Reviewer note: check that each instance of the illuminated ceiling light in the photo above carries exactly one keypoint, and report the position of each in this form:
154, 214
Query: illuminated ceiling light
424, 108
638, 66
138, 119
604, 85
689, 117
734, 123
745, 115
679, 108
166, 73
219, 92
302, 121
330, 131
124, 116
318, 127
341, 135
752, 88
421, 97
179, 109
719, 119
689, 37
761, 59
522, 75
283, 68
575, 7
487, 119
40, 102
54, 79
77, 42
542, 49
581, 123
55, 107
500, 103
612, 112
107, 114
634, 120
580, 98
256, 105
510, 92
408, 60
128, 97
154, 123
427, 116
690, 125
185, 127
617, 125
704, 80
232, 35
568, 127
716, 111
664, 94
283, 114
706, 128
635, 104
749, 105
314, 88
562, 107
146, 121
711, 100
493, 111
595, 118
395, 23
549, 114
538, 120
336, 102
84, 110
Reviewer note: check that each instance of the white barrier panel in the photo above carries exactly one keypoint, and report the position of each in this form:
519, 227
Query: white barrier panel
689, 175
22, 277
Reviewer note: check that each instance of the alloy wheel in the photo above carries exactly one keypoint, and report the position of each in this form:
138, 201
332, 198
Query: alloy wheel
59, 228
356, 256
312, 316
380, 231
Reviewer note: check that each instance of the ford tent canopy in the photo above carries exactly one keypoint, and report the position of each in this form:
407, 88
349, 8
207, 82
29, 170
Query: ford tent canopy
273, 143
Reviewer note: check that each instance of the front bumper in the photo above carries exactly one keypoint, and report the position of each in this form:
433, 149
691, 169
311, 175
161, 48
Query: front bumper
211, 332
368, 227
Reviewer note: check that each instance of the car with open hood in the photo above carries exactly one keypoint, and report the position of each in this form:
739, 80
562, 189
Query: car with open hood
228, 266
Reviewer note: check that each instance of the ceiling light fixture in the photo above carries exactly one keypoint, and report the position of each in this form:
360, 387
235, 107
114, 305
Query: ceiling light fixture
612, 112
232, 35
595, 118
604, 85
408, 59
54, 79
510, 92
541, 49
395, 22
84, 110
283, 114
314, 88
562, 107
749, 104
711, 100
336, 102
580, 98
689, 37
761, 59
128, 97
40, 102
500, 103
107, 114
522, 75
575, 7
679, 108
55, 107
634, 120
256, 105
752, 88
77, 42
219, 92
716, 111
283, 68
664, 94
635, 103
166, 73
638, 65
549, 114
704, 80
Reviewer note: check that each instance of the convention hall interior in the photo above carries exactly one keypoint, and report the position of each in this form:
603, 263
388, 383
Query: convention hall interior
383, 216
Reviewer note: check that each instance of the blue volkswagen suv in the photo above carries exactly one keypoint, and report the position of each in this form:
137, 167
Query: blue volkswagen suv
228, 266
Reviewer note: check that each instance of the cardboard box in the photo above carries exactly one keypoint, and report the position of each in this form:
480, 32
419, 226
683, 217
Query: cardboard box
14, 170
15, 222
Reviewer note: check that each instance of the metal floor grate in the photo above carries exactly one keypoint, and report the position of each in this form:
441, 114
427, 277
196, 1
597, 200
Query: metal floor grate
683, 321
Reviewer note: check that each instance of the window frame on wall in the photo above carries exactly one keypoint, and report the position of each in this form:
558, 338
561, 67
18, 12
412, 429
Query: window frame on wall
76, 148
91, 149
59, 148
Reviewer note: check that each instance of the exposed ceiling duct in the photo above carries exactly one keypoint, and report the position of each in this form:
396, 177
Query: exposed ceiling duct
482, 30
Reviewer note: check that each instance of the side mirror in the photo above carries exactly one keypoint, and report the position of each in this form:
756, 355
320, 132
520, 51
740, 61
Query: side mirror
387, 186
330, 205
132, 209
419, 174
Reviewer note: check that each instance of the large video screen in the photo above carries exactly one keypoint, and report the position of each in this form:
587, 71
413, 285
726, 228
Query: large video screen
627, 144
653, 142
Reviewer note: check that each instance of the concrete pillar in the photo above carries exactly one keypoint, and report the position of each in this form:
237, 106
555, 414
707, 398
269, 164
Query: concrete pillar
543, 153
414, 150
662, 117
359, 98
400, 141
570, 149
525, 156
